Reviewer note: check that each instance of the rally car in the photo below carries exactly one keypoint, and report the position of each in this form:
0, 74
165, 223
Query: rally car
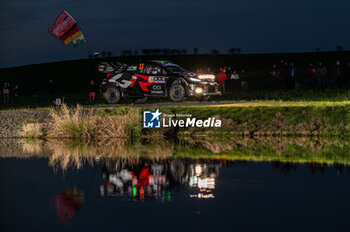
154, 79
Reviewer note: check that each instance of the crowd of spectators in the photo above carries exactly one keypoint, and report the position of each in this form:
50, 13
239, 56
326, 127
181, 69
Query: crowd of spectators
9, 94
286, 75
229, 79
316, 75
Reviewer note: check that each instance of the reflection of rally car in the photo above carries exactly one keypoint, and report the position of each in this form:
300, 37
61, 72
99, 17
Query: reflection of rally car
155, 180
154, 79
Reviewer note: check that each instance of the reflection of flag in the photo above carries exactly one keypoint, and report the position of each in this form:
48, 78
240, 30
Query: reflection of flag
66, 30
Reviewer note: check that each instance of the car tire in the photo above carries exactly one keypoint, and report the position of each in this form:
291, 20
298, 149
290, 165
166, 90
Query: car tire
203, 98
139, 100
113, 95
177, 92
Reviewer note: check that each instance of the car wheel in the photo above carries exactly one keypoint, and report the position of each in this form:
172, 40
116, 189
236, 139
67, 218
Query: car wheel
139, 100
202, 98
113, 95
177, 92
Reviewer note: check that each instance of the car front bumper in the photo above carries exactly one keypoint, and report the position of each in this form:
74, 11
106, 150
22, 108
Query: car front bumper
209, 89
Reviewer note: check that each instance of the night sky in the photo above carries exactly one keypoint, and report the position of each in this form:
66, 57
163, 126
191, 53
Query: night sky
255, 26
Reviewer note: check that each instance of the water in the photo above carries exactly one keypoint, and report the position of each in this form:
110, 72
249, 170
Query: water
41, 192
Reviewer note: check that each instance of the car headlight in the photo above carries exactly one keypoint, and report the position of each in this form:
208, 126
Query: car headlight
196, 80
206, 76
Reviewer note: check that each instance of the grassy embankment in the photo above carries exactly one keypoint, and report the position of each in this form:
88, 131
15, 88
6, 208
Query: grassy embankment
280, 120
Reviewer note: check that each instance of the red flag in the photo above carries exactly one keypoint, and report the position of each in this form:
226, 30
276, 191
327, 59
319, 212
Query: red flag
62, 25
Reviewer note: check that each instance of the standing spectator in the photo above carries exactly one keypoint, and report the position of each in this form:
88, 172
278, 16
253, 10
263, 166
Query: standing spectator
321, 75
51, 89
276, 75
311, 74
292, 76
16, 93
229, 81
346, 74
221, 78
6, 93
209, 71
92, 89
244, 82
199, 71
338, 73
284, 74
234, 75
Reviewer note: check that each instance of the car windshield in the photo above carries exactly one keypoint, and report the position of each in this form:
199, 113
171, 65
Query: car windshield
175, 68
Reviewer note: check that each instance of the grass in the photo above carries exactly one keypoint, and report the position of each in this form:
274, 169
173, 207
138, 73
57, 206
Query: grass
85, 124
257, 120
31, 130
71, 153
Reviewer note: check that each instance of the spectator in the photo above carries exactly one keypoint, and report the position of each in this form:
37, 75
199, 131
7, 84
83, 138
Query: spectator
346, 74
51, 90
234, 75
221, 78
16, 93
243, 77
209, 71
6, 93
229, 82
292, 76
0, 92
92, 88
311, 74
234, 78
276, 75
281, 64
322, 75
338, 74
284, 74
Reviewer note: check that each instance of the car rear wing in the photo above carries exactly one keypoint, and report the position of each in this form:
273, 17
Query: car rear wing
110, 67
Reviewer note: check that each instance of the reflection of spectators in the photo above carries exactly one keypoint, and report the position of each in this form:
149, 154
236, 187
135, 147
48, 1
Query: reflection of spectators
6, 93
92, 88
221, 78
243, 77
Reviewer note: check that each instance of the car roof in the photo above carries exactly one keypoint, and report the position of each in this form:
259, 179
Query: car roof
160, 62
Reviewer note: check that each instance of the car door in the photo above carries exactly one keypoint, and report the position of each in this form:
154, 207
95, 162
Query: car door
158, 81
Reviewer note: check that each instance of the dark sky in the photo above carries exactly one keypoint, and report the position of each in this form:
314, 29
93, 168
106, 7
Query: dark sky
255, 26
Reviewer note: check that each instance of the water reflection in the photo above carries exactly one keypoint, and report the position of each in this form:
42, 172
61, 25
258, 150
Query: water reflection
155, 180
67, 203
